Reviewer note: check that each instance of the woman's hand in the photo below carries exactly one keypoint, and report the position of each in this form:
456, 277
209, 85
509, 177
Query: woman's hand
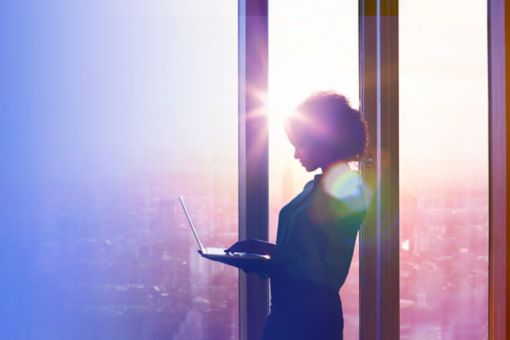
252, 246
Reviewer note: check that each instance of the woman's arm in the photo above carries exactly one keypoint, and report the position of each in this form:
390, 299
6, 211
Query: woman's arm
261, 267
252, 246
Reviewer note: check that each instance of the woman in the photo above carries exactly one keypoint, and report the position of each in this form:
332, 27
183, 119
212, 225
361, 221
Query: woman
317, 230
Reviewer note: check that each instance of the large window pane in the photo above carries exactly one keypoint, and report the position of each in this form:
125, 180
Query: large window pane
444, 170
313, 46
108, 111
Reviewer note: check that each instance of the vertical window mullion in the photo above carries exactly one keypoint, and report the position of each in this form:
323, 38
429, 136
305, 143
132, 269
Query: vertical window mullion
379, 240
253, 157
499, 78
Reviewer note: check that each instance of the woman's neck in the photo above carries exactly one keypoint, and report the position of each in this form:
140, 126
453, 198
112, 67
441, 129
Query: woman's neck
336, 166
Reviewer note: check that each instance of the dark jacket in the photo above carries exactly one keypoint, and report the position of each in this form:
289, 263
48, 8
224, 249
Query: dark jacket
316, 236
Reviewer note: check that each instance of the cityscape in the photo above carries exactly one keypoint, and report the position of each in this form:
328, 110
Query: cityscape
444, 262
119, 262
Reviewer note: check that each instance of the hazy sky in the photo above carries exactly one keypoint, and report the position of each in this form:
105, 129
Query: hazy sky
311, 48
443, 80
443, 89
93, 87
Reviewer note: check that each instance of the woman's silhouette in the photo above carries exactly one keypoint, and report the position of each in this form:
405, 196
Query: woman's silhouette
316, 230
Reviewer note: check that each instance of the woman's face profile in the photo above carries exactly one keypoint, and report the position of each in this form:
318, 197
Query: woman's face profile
311, 157
302, 154
311, 154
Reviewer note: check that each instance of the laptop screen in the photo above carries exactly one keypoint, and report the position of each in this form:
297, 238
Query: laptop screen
190, 222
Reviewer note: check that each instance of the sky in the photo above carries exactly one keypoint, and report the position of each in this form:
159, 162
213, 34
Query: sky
94, 90
443, 89
311, 48
119, 86
110, 88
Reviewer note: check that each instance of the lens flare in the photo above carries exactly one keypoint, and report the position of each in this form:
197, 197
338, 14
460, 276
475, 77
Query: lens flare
341, 182
344, 185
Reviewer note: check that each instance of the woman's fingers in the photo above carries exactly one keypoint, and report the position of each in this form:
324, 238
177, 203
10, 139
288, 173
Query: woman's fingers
251, 246
242, 246
237, 247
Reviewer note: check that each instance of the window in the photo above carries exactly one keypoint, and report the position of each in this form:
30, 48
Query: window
312, 47
444, 225
424, 52
109, 111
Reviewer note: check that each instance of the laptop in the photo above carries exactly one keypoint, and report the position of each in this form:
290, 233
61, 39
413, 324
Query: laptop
217, 253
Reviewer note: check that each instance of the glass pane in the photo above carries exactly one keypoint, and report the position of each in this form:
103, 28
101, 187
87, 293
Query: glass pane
444, 170
313, 46
109, 110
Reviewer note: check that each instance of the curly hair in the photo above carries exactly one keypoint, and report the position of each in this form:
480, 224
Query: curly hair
327, 120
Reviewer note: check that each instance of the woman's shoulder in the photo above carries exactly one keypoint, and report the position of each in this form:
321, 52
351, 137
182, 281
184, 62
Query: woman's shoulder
337, 198
307, 189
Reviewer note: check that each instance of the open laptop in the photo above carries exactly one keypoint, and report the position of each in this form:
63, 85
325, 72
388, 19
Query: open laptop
217, 253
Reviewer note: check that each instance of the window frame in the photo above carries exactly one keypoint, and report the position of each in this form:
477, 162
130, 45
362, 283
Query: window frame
499, 120
253, 157
379, 235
